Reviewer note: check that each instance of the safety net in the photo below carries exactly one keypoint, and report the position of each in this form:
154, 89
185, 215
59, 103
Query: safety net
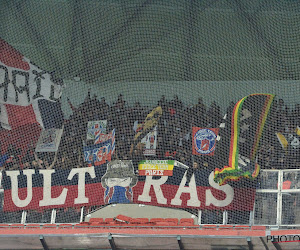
181, 104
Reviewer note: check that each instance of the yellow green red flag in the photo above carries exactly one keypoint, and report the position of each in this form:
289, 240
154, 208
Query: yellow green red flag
248, 120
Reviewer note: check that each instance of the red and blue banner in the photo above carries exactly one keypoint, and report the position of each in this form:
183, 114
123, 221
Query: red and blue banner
118, 183
100, 138
98, 154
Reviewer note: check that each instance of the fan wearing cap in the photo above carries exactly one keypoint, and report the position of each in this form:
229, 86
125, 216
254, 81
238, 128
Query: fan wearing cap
118, 182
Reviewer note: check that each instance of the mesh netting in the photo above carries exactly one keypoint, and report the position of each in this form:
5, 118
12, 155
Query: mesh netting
161, 103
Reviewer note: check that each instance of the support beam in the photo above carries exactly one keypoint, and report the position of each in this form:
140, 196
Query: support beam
276, 245
112, 242
264, 243
180, 243
250, 245
42, 239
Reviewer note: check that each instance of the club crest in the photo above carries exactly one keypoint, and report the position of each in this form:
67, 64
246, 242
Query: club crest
205, 141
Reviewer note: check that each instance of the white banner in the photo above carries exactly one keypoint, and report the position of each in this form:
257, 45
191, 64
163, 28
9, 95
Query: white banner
49, 140
94, 127
150, 141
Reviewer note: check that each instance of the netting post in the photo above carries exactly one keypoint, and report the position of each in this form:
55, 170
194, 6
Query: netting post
81, 214
53, 216
252, 213
251, 217
279, 198
23, 218
199, 216
225, 217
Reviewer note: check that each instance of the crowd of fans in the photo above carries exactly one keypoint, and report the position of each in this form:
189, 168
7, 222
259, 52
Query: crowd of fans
174, 134
174, 141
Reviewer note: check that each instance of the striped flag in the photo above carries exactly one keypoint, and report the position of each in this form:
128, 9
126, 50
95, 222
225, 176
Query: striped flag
100, 138
28, 94
98, 154
29, 99
248, 120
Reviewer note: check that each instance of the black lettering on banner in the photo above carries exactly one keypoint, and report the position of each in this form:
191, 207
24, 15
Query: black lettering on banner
5, 82
21, 89
295, 238
38, 79
269, 237
285, 238
52, 94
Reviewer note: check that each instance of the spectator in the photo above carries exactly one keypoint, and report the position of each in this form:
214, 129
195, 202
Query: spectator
190, 172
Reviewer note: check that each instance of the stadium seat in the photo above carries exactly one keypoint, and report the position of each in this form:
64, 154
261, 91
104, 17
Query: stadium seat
143, 220
33, 226
139, 220
122, 218
92, 220
143, 226
136, 221
82, 226
84, 223
164, 225
172, 220
15, 226
242, 227
185, 224
4, 226
157, 220
258, 228
226, 227
188, 226
108, 220
186, 221
65, 226
209, 227
49, 226
114, 223
99, 225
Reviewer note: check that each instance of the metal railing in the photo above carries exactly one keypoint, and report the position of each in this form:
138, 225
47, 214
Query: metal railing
278, 198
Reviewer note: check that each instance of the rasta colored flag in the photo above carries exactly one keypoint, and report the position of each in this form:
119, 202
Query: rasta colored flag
156, 167
248, 119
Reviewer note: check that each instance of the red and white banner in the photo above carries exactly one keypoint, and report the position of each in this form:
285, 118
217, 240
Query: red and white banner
23, 85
